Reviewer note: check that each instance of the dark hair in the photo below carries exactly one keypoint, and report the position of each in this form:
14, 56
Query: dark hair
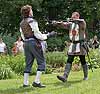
77, 14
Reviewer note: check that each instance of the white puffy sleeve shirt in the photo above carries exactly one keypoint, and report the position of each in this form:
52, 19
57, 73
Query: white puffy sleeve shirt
35, 29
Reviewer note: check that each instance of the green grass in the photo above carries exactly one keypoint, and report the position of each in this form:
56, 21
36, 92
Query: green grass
74, 85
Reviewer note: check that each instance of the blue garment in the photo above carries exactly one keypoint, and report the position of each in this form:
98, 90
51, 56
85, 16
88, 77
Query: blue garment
32, 51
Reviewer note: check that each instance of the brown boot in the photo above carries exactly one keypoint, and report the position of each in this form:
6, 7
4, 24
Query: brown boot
62, 78
66, 73
85, 71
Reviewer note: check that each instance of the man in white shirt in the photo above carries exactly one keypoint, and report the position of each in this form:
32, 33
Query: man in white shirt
32, 45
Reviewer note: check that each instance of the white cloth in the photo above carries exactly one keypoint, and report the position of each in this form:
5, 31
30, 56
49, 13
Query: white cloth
77, 32
20, 46
26, 76
44, 46
35, 28
37, 79
2, 47
77, 48
22, 35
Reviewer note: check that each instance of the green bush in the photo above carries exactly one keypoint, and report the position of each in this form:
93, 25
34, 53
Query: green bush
34, 69
76, 66
76, 60
55, 44
49, 69
9, 41
94, 58
56, 59
55, 62
17, 63
6, 72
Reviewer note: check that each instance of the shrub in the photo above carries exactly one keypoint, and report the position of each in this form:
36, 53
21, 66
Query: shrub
56, 59
6, 72
55, 62
55, 44
34, 69
49, 69
94, 58
9, 41
76, 64
17, 63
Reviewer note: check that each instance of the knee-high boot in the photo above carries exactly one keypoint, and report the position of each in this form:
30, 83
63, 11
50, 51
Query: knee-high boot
66, 73
85, 71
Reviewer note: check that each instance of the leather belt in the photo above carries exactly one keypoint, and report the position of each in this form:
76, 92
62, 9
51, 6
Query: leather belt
80, 41
28, 39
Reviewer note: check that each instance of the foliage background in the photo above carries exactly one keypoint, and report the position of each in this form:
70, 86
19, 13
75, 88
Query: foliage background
10, 65
46, 10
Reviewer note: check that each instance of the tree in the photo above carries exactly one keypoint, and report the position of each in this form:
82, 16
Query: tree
45, 10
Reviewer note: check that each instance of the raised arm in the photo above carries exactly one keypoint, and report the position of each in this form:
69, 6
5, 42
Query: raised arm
62, 24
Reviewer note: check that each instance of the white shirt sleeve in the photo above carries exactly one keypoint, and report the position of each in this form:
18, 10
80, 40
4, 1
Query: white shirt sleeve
37, 33
22, 35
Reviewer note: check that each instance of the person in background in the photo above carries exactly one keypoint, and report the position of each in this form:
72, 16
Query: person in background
95, 42
3, 47
90, 43
32, 37
20, 45
15, 49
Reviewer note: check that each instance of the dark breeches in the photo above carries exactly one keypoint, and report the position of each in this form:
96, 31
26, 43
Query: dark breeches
71, 58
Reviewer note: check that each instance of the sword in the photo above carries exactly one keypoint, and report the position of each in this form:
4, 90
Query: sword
87, 50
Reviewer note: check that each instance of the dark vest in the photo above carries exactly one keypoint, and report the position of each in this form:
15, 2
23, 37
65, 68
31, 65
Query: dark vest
26, 29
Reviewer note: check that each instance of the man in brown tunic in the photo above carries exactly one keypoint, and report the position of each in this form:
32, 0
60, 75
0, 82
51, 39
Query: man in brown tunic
77, 38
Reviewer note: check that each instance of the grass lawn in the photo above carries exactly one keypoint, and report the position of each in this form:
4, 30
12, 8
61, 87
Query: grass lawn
74, 85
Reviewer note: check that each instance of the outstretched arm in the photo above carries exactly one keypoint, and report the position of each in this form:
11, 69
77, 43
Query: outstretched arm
61, 24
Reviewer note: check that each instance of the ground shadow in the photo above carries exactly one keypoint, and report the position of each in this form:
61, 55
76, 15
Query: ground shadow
56, 84
17, 90
67, 84
75, 81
